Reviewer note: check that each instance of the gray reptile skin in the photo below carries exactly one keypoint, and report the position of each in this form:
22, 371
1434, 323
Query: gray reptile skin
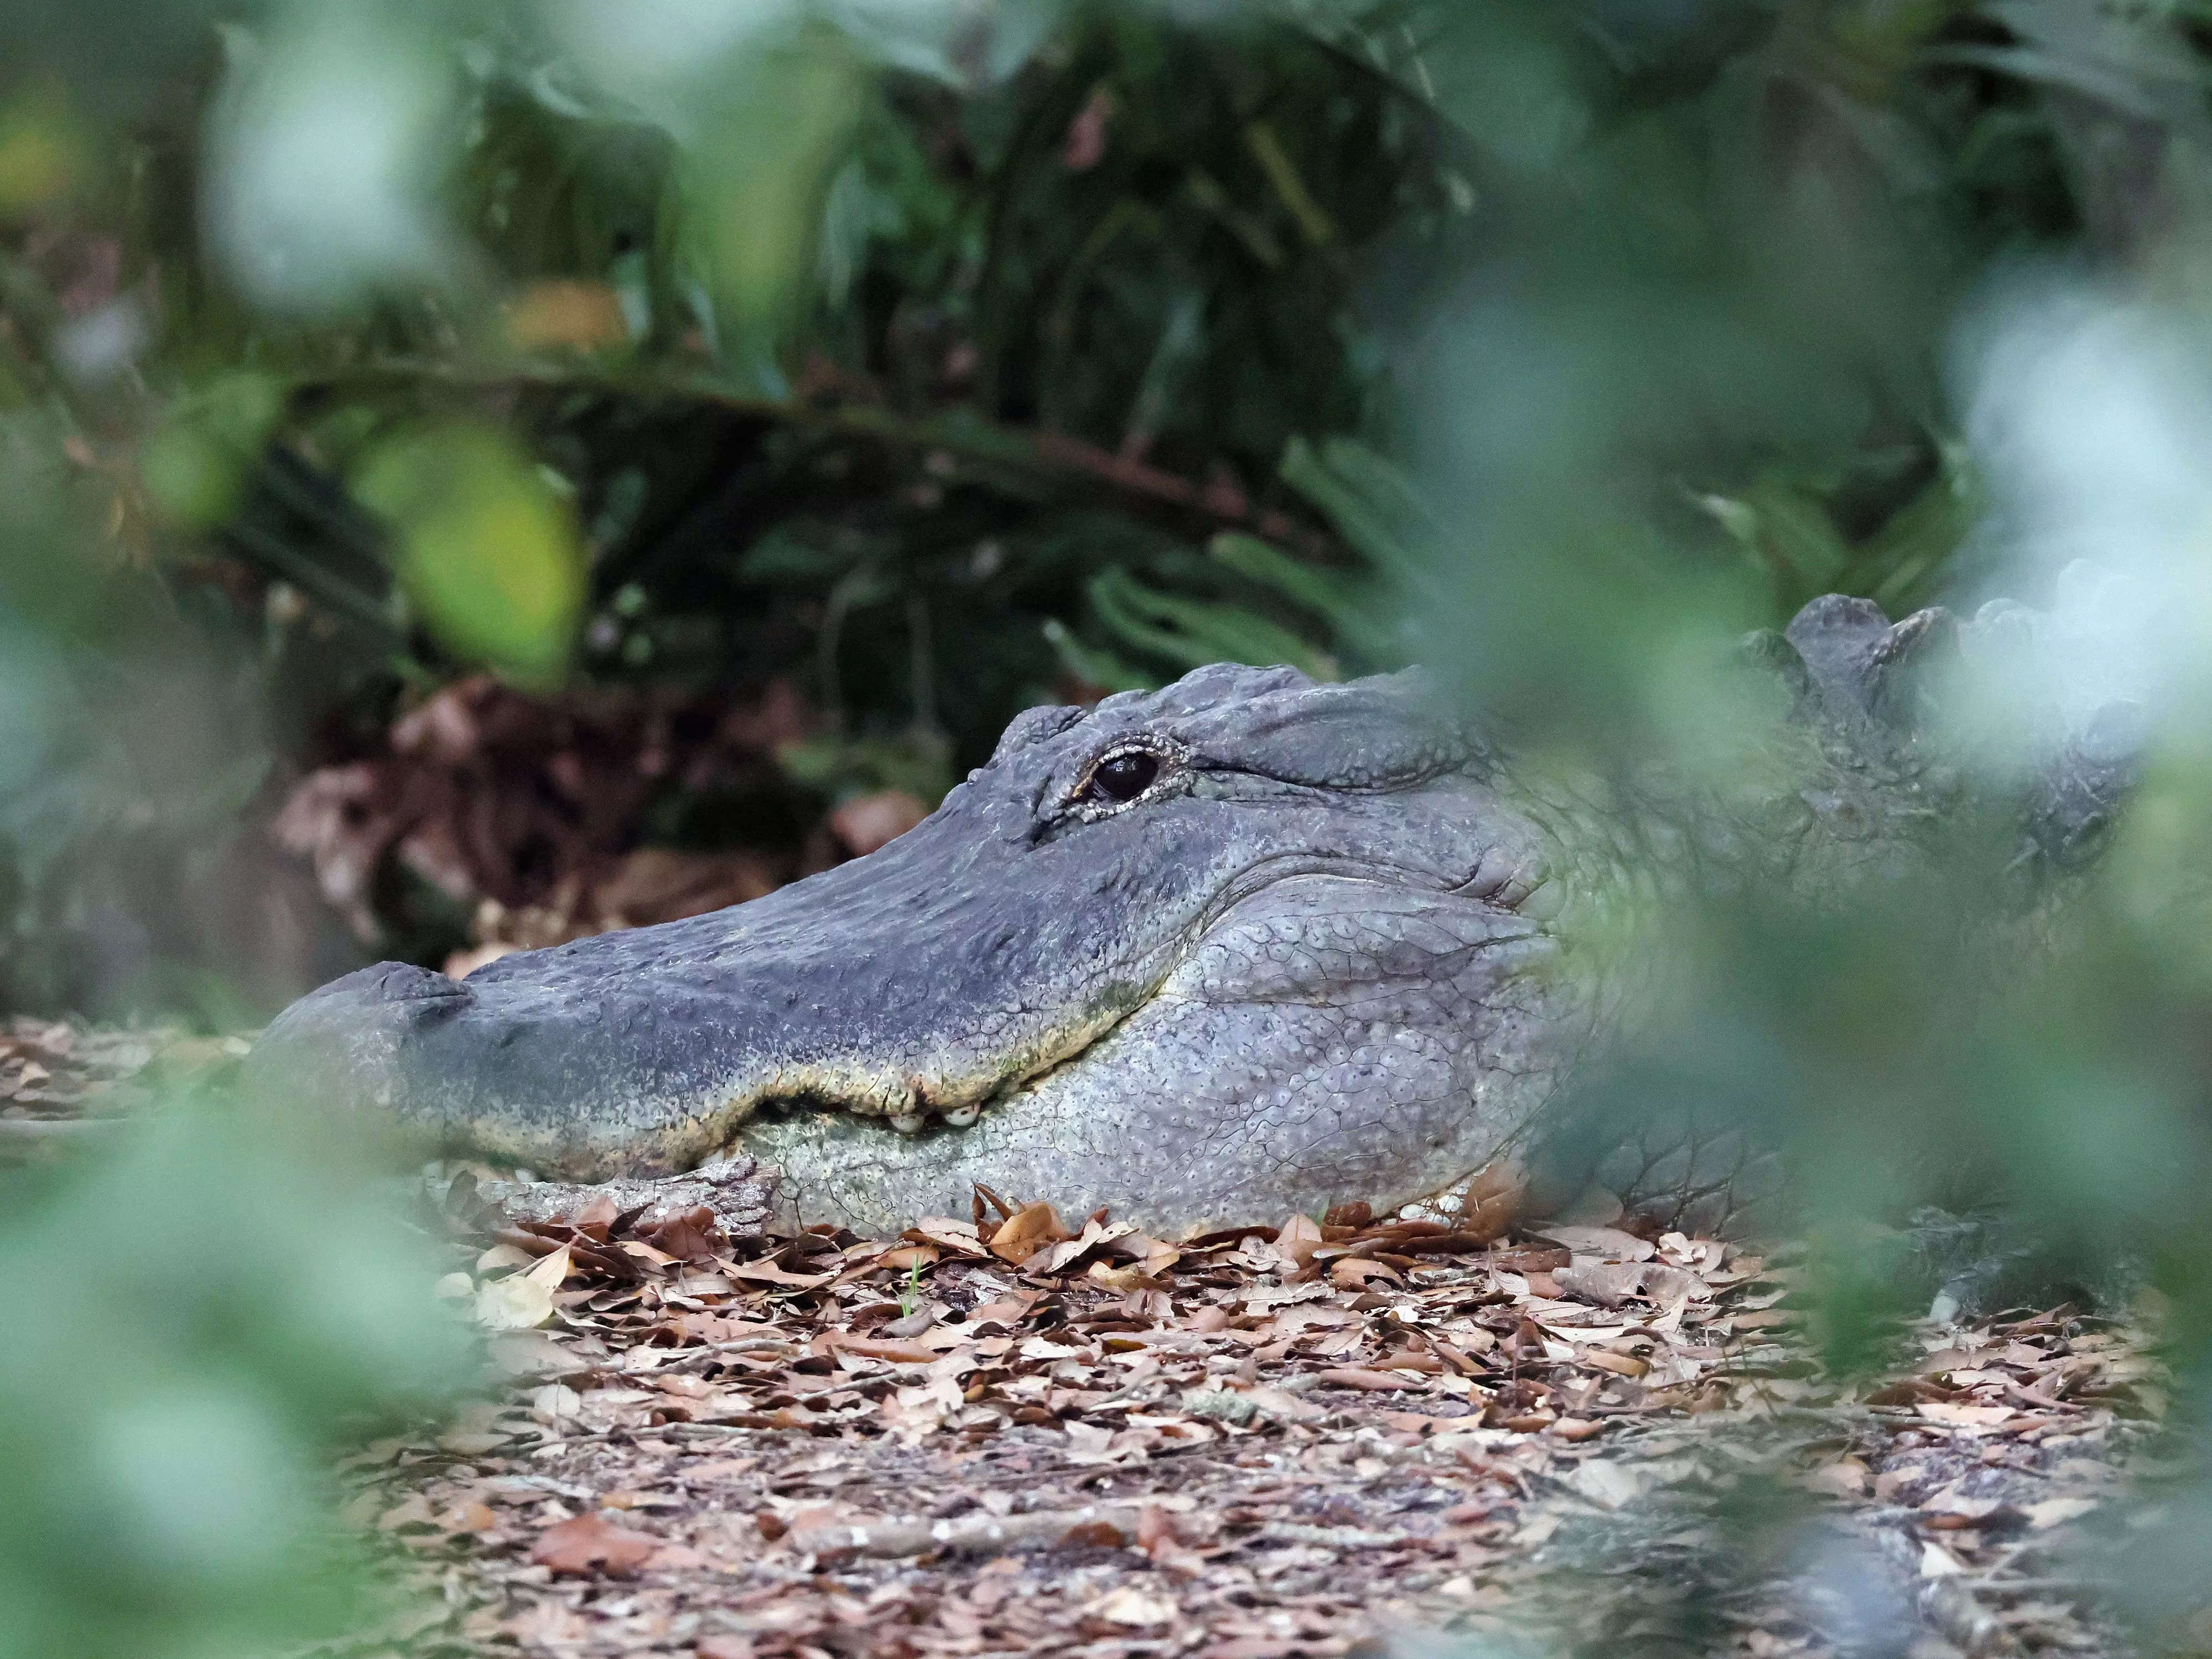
1336, 949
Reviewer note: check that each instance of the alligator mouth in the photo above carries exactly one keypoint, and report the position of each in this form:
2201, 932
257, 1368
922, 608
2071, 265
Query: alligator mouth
920, 1114
913, 1107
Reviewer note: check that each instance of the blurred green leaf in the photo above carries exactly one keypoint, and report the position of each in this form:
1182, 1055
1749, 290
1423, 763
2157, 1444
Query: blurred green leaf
757, 180
165, 1412
1191, 633
1784, 530
487, 552
195, 463
1352, 608
45, 152
1372, 503
843, 767
1088, 665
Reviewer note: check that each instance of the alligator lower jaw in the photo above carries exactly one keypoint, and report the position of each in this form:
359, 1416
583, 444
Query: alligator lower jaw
911, 1104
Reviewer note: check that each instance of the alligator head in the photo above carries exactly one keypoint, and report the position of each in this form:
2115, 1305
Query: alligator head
1244, 945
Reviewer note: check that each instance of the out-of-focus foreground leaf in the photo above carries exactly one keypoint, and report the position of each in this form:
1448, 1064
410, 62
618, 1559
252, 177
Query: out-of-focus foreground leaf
486, 550
196, 1319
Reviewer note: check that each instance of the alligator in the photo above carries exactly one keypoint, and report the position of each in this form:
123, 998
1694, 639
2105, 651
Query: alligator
1244, 946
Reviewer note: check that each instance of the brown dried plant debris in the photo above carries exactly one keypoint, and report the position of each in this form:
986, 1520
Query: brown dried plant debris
1016, 1433
530, 809
58, 1080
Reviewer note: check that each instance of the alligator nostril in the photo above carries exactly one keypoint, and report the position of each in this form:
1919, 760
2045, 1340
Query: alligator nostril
401, 982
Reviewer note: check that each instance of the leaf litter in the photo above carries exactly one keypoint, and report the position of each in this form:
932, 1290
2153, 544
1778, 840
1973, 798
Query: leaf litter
1007, 1433
1014, 1433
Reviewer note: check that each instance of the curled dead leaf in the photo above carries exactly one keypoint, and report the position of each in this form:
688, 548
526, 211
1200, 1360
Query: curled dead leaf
1093, 1534
587, 1543
1354, 1272
1607, 1284
522, 1301
1029, 1231
1621, 1364
1299, 1238
1847, 1477
1364, 1377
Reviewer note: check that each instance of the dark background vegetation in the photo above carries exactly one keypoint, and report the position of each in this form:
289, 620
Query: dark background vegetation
1046, 351
474, 474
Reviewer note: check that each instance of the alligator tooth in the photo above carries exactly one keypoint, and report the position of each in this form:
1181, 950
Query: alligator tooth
909, 1123
961, 1117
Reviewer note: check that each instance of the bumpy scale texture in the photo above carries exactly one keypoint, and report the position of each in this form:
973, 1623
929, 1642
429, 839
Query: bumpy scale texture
1244, 945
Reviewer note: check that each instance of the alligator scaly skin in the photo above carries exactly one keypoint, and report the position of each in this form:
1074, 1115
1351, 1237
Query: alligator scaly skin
1336, 944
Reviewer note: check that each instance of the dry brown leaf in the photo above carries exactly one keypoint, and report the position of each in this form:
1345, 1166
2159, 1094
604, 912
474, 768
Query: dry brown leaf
960, 1237
1007, 1311
600, 1212
1096, 1236
522, 1301
1374, 1382
1621, 1364
897, 1352
1847, 1477
1606, 1243
1120, 1278
1353, 1273
1030, 1229
1765, 1319
1300, 1238
2056, 1511
767, 1273
1491, 1202
1093, 1534
588, 1542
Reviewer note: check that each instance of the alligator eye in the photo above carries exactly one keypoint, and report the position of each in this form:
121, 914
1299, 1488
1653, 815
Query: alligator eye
1121, 777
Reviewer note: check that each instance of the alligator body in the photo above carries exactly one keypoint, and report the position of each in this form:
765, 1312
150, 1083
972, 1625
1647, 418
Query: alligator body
1245, 946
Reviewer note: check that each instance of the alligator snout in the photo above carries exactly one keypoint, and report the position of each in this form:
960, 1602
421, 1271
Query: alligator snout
425, 994
1191, 955
883, 991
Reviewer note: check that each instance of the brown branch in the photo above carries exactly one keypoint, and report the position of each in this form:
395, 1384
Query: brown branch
1220, 500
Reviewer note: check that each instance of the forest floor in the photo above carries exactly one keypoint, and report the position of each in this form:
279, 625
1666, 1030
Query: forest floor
1009, 1434
1359, 1438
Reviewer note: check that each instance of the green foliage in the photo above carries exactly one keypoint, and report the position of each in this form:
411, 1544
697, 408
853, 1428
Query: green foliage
488, 552
197, 463
194, 1323
942, 360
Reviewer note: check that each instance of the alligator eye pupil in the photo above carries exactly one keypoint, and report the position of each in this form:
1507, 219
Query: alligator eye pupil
1124, 777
